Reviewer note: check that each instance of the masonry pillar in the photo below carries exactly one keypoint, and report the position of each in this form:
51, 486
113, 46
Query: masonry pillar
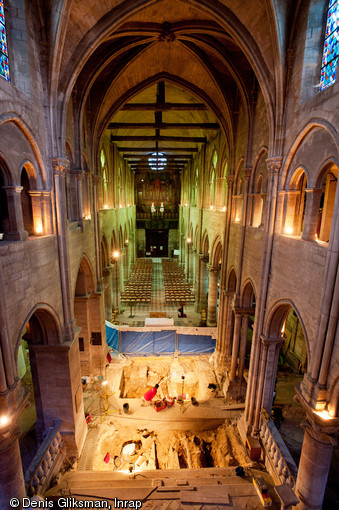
47, 213
95, 181
263, 210
60, 391
115, 282
268, 371
229, 323
37, 209
212, 295
79, 177
314, 463
236, 342
107, 274
11, 474
16, 224
243, 343
313, 197
202, 290
60, 167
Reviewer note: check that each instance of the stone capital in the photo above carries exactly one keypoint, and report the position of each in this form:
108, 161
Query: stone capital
46, 192
243, 311
229, 179
60, 166
320, 424
107, 270
35, 193
213, 269
96, 179
203, 258
247, 173
13, 190
274, 164
315, 191
271, 341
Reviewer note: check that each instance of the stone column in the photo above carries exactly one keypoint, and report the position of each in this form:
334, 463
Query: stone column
202, 291
115, 281
273, 165
314, 464
60, 397
236, 342
79, 176
11, 474
268, 370
243, 343
60, 167
229, 323
263, 210
47, 212
313, 197
212, 296
16, 223
37, 209
96, 179
107, 275
194, 268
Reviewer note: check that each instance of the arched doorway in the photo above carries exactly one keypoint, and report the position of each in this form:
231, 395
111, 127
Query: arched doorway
41, 329
286, 368
89, 315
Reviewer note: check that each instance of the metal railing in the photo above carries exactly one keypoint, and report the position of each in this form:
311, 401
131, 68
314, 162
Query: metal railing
46, 463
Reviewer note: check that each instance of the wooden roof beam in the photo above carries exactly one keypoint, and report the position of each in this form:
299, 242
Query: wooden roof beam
163, 107
163, 125
160, 138
160, 149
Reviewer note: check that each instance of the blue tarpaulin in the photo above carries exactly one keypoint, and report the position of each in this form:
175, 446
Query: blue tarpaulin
112, 336
196, 344
148, 342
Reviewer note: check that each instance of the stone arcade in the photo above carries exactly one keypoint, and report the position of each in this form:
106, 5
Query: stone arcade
202, 131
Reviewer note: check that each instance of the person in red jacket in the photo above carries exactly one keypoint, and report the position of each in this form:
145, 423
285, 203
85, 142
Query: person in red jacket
149, 395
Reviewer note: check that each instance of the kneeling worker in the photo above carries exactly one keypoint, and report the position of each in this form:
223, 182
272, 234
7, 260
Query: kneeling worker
149, 395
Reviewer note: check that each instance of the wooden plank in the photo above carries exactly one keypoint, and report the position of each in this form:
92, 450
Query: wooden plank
163, 107
209, 499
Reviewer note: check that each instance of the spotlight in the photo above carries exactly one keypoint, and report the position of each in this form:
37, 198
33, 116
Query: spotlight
4, 420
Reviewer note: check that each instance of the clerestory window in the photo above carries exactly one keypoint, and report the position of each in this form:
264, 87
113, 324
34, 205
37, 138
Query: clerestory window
331, 46
4, 67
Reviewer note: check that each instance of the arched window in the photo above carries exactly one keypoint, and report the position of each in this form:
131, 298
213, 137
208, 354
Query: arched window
196, 183
295, 206
329, 187
26, 203
104, 191
4, 67
4, 221
331, 46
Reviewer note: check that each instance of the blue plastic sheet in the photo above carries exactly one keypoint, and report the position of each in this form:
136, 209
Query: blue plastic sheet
148, 343
196, 344
164, 342
112, 336
136, 342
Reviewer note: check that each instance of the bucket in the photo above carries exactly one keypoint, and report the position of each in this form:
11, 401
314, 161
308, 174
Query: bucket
125, 408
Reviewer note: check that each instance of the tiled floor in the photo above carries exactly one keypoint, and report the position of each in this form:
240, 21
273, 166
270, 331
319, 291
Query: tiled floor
141, 311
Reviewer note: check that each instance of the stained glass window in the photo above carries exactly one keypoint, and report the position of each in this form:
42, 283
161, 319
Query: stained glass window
331, 46
4, 68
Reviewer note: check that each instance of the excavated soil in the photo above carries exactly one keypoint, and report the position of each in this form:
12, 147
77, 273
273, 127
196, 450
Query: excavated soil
167, 450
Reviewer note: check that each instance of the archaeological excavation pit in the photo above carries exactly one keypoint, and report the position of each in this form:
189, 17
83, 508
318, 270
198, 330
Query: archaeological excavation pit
197, 431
